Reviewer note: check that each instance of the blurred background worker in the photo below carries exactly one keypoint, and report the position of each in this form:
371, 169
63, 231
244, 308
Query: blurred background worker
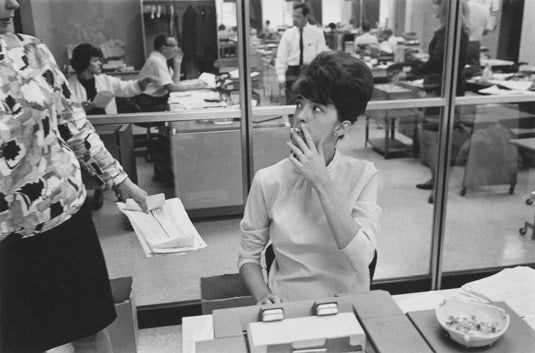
298, 45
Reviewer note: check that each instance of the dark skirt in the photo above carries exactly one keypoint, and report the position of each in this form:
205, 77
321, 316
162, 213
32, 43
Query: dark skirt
54, 287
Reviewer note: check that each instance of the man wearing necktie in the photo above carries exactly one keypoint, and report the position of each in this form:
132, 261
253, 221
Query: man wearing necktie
298, 45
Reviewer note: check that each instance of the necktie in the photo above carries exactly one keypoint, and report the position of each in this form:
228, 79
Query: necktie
300, 46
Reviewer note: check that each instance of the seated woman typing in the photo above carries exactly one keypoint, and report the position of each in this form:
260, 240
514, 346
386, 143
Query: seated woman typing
318, 207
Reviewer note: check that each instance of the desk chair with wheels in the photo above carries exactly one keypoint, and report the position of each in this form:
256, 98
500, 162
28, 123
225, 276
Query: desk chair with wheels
147, 103
270, 257
396, 68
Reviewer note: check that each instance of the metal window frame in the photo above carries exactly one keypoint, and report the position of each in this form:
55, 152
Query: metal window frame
444, 152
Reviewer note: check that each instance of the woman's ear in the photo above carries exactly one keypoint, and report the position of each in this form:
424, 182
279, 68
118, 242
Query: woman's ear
342, 128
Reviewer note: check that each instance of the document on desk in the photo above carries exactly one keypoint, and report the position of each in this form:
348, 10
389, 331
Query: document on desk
495, 90
195, 100
513, 85
515, 286
164, 230
209, 79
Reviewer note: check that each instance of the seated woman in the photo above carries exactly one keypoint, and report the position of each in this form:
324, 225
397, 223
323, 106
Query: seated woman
89, 80
318, 207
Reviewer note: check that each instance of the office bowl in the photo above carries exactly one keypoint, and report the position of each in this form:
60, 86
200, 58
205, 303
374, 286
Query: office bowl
472, 324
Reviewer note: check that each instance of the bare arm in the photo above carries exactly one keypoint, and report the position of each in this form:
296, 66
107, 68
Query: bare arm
186, 85
177, 63
255, 237
252, 276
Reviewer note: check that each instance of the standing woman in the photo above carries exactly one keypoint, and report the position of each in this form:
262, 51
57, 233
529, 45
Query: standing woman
318, 207
54, 285
431, 72
89, 80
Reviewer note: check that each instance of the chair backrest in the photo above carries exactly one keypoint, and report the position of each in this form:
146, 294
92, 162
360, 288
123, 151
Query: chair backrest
270, 257
396, 68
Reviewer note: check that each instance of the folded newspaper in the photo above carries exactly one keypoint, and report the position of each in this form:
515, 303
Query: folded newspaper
165, 229
515, 286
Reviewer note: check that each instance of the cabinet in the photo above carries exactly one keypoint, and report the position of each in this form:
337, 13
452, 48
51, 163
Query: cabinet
207, 161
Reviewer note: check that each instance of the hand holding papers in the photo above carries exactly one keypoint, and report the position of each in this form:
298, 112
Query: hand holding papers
165, 229
153, 202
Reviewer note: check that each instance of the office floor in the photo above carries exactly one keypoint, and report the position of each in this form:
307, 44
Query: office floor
482, 230
166, 339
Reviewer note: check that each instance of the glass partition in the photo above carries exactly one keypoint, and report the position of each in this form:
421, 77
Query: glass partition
193, 147
490, 185
190, 146
489, 209
402, 139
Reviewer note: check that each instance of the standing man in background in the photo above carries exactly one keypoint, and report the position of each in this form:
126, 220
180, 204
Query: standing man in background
298, 45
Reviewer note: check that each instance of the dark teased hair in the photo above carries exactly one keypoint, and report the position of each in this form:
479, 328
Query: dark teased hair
339, 79
160, 41
304, 8
366, 26
82, 54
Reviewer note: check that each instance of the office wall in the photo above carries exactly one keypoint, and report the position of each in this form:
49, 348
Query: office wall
527, 49
331, 11
70, 22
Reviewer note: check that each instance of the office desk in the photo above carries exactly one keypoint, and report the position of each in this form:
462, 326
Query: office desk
206, 157
498, 64
201, 328
389, 146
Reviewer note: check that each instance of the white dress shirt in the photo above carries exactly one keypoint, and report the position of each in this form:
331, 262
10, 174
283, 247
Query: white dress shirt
284, 208
493, 6
288, 51
479, 21
365, 38
103, 82
156, 65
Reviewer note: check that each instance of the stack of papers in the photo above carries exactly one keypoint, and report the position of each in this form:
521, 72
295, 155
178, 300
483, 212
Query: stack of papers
514, 286
194, 100
166, 229
513, 85
499, 91
209, 79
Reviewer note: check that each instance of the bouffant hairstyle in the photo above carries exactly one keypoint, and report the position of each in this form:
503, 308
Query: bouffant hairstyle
82, 54
339, 79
